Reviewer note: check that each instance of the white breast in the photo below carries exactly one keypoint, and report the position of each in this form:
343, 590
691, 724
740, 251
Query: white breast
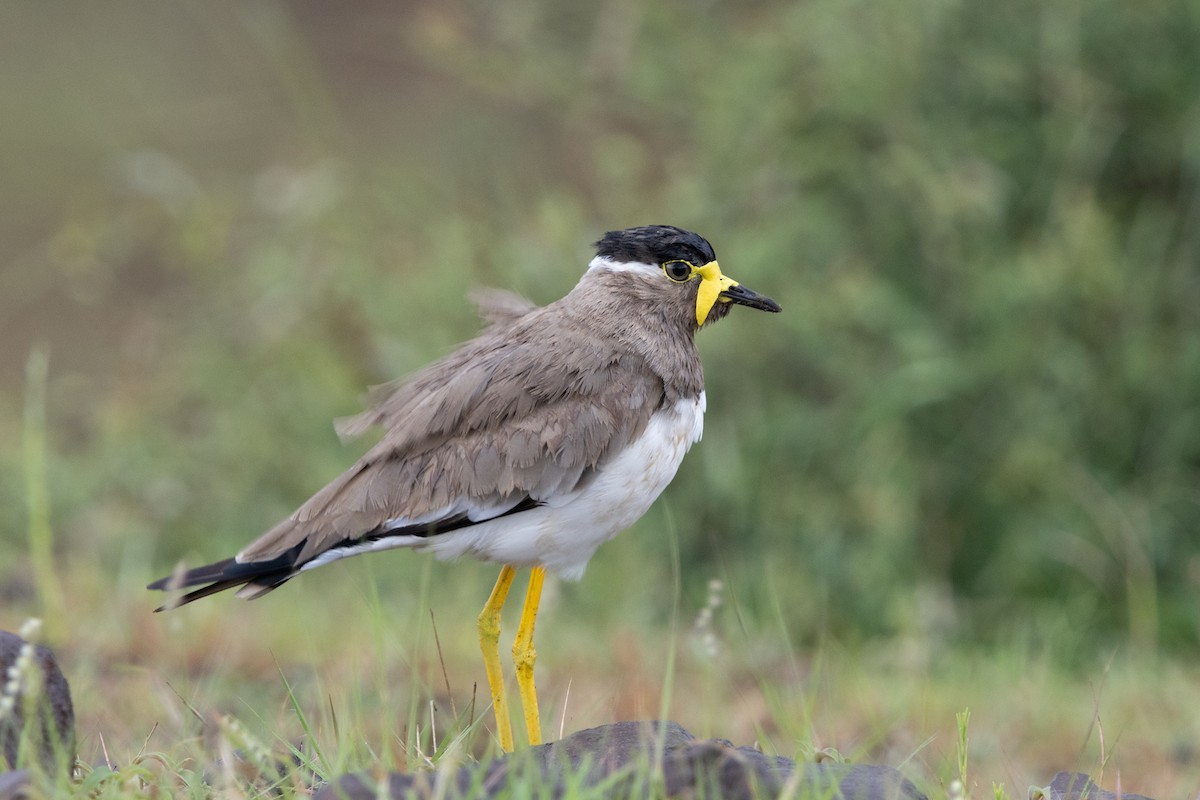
564, 533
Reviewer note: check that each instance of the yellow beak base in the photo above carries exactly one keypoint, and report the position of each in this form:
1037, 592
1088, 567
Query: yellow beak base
712, 283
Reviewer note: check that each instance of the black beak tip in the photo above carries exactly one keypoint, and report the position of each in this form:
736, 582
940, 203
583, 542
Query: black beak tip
745, 297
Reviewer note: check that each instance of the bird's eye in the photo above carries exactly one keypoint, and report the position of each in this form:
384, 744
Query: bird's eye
678, 271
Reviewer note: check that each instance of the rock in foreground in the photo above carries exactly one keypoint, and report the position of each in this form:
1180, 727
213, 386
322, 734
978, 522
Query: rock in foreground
1078, 786
615, 757
35, 695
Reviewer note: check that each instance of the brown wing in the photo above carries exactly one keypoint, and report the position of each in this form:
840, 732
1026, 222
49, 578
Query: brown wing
494, 425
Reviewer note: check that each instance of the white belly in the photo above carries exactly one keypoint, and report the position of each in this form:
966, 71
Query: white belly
564, 533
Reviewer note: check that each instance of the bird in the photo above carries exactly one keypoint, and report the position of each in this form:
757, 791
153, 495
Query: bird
530, 445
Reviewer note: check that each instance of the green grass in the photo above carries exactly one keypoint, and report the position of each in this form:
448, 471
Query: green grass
164, 700
41, 535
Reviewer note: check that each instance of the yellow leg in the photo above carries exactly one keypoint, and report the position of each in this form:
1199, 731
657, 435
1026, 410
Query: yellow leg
489, 643
524, 655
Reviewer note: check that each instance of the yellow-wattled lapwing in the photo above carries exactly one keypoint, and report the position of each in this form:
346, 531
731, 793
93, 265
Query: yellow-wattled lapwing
531, 445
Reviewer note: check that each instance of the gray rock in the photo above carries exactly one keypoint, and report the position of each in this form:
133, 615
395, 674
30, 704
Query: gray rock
52, 721
614, 757
1077, 786
14, 785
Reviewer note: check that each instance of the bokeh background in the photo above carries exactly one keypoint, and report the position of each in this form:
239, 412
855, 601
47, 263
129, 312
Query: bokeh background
976, 423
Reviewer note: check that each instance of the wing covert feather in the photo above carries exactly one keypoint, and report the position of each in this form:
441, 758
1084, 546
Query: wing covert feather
491, 424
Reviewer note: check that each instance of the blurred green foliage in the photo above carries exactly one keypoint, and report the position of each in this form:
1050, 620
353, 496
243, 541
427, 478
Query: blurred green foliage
979, 414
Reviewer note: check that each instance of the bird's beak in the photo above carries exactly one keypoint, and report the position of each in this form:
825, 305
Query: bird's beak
715, 287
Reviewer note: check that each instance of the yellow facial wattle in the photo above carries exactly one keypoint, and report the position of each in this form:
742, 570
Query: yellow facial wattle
712, 283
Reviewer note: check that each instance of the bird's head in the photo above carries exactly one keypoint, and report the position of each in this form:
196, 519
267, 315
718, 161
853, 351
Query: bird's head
680, 267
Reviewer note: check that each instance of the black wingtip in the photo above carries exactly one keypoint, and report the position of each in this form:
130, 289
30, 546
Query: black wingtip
228, 573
